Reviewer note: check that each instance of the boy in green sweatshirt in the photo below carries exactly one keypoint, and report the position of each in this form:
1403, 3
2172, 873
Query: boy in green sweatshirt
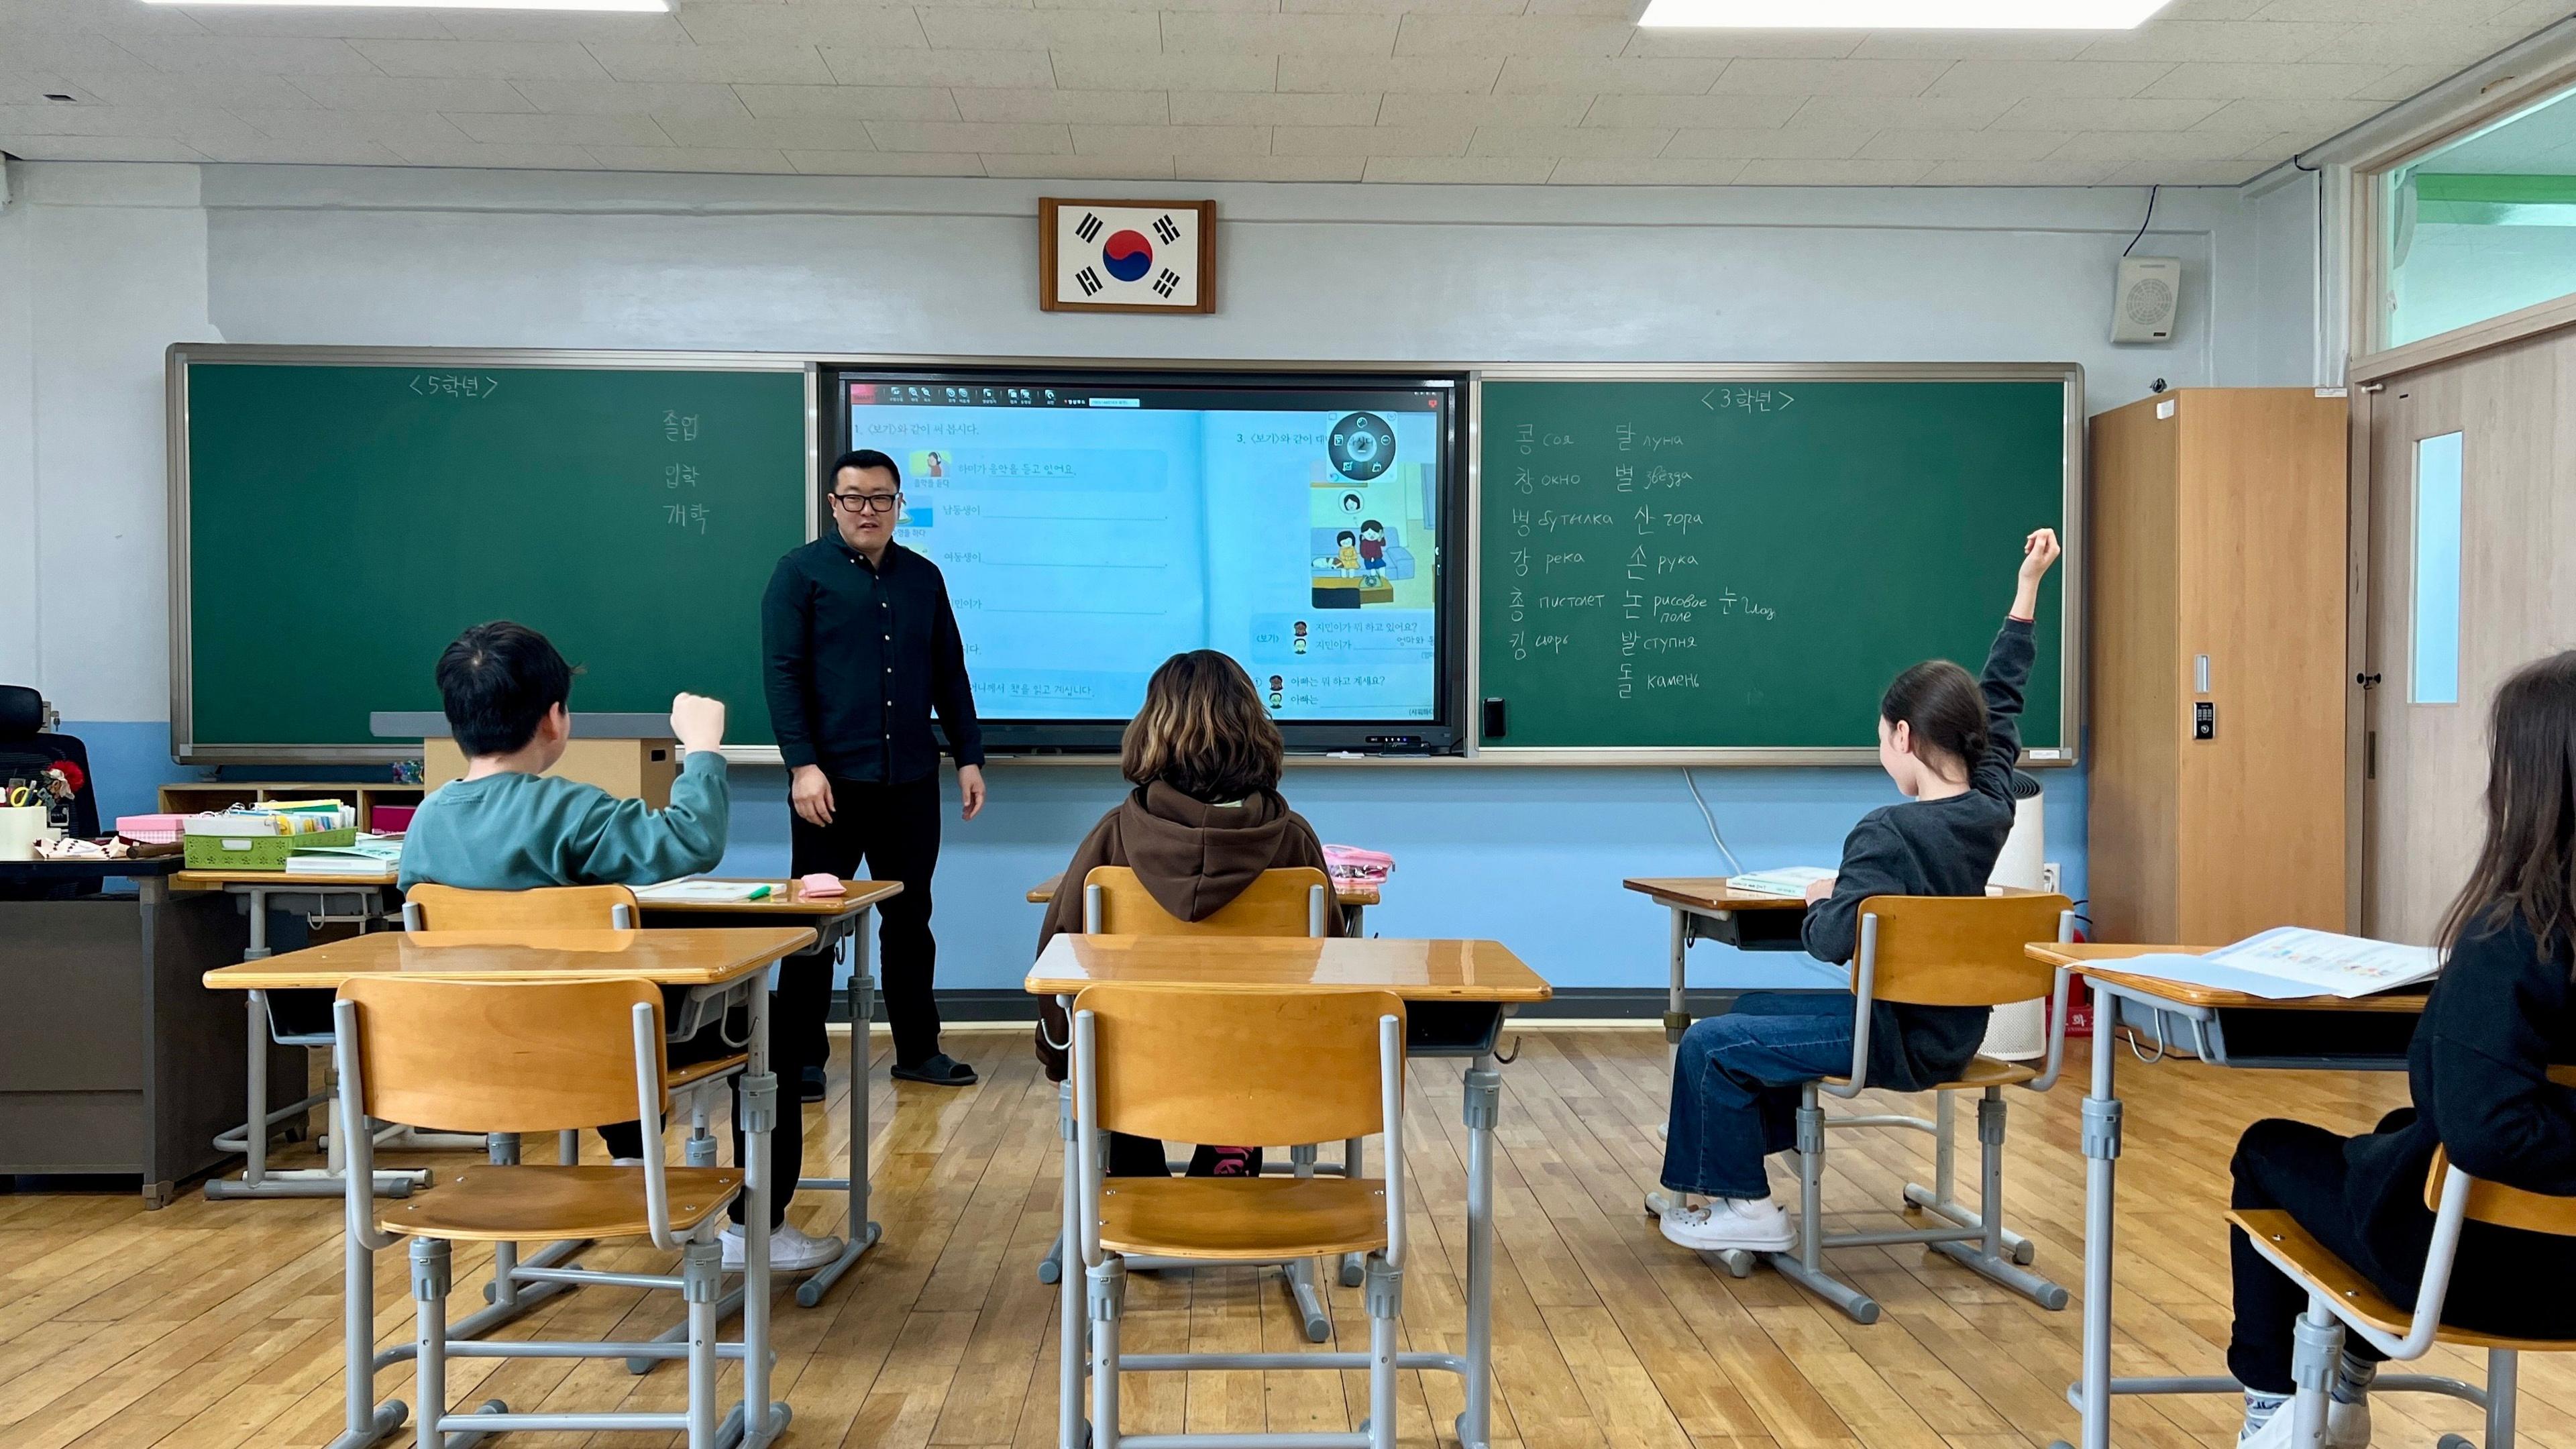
507, 825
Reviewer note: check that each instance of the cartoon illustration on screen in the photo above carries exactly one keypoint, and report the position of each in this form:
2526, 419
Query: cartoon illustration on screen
1278, 691
1351, 504
1358, 531
1372, 553
1299, 644
937, 466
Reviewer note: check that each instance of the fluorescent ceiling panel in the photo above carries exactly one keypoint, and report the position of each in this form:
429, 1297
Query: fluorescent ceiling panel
1899, 14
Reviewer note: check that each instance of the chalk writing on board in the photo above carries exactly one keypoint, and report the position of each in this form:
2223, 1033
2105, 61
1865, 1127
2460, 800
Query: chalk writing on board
1520, 563
1679, 520
685, 516
1526, 435
1518, 602
1571, 601
455, 384
1557, 561
1551, 520
679, 427
1625, 475
1661, 477
1560, 480
1746, 399
676, 474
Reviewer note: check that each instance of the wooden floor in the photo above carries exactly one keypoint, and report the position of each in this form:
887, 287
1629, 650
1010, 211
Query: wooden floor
217, 1324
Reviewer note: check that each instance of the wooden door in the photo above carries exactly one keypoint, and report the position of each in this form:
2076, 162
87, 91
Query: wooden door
2425, 758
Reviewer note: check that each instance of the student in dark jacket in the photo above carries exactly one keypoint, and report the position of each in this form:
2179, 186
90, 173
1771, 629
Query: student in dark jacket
1951, 744
1204, 821
2502, 1013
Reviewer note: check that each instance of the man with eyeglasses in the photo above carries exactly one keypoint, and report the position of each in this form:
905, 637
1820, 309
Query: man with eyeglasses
862, 647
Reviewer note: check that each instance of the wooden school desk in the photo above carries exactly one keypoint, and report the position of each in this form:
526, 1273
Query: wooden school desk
2227, 1029
1353, 897
1706, 908
1456, 994
686, 958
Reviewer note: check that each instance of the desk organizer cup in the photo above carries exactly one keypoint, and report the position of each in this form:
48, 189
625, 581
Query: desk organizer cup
21, 826
258, 852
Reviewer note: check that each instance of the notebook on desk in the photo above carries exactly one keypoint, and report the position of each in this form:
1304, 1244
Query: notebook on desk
2288, 962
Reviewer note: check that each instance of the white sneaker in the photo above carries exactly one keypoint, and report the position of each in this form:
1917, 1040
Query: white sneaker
1729, 1223
2348, 1425
790, 1251
626, 1162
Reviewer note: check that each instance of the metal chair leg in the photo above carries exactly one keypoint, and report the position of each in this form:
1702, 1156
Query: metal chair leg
2316, 1345
1806, 1267
1993, 1256
701, 1283
1385, 1305
430, 1280
1107, 1299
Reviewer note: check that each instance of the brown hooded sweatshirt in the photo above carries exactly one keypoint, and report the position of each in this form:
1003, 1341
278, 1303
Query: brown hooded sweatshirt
1192, 857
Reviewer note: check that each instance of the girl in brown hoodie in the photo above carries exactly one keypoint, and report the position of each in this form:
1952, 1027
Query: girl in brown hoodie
1204, 820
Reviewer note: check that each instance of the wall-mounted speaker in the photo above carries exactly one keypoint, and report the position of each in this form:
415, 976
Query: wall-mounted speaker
2145, 299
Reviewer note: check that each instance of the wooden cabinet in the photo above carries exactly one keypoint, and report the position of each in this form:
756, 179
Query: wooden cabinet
2217, 553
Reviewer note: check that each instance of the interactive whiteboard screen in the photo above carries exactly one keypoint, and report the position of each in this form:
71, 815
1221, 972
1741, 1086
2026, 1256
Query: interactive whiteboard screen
1089, 528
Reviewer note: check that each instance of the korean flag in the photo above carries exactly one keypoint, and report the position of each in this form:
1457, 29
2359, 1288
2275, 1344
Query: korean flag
1127, 255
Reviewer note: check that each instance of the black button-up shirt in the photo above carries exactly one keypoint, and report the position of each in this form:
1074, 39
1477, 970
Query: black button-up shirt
857, 659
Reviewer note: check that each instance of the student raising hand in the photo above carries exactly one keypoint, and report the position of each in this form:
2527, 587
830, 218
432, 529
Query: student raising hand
2038, 553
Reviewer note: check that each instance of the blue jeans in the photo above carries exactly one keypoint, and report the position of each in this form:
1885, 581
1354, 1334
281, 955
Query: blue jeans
1735, 1088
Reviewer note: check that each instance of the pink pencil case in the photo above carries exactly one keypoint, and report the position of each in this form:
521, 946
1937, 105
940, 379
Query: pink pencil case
1363, 867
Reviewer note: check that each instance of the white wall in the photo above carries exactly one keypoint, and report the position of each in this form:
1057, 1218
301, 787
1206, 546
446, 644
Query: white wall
126, 260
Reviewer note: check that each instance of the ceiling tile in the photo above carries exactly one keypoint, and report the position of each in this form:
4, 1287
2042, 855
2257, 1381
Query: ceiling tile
1791, 143
52, 118
89, 15
1412, 7
854, 65
343, 22
1417, 110
1854, 172
1245, 7
2048, 78
31, 50
871, 26
2183, 173
2382, 11
737, 133
1477, 170
28, 90
1630, 171
2224, 81
2107, 113
2318, 119
2418, 44
1627, 141
395, 93
1273, 108
1762, 77
1269, 168
1032, 139
307, 151
29, 147
1371, 140
1171, 140
2402, 82
1723, 113
853, 103
1751, 44
630, 98
1907, 144
1122, 167
885, 163
1106, 108
246, 55
2159, 145
1279, 34
508, 59
759, 64
1418, 75
150, 88
609, 26
2255, 40
670, 158
317, 125
523, 129
443, 153
1970, 45
1099, 30
1616, 75
1512, 35
1094, 70
1932, 113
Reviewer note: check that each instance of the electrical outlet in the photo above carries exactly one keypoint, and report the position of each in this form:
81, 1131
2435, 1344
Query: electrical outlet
2051, 874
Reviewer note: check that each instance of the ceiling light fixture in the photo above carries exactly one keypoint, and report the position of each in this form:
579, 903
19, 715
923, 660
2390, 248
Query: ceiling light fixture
656, 6
1899, 14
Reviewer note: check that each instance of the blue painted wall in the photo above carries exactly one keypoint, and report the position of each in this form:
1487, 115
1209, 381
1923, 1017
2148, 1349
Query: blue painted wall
1529, 857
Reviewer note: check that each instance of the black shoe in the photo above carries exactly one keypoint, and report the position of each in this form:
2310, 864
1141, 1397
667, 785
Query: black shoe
810, 1089
939, 1070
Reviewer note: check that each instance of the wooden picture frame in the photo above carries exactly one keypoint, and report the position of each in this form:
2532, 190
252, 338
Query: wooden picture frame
1062, 291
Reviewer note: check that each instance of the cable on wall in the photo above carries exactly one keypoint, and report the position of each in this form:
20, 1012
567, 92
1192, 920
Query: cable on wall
1732, 865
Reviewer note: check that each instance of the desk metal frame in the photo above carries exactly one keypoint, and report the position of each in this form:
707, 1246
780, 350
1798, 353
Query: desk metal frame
2091, 1394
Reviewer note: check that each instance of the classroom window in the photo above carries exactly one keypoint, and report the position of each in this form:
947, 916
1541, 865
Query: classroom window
2436, 674
2483, 225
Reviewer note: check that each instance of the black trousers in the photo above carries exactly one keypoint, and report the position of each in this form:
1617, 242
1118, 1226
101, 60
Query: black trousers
894, 831
787, 1135
2299, 1168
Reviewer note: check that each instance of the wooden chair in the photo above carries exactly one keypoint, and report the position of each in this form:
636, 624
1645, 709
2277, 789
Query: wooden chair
446, 908
1935, 951
1218, 1065
2340, 1298
1287, 902
504, 1059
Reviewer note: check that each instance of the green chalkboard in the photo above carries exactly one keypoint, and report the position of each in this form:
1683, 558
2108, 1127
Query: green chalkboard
344, 522
1744, 564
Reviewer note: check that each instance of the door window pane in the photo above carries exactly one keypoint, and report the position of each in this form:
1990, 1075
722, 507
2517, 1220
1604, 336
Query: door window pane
2483, 226
2436, 673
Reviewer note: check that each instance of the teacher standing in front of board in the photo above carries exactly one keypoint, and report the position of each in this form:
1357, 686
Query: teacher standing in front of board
862, 646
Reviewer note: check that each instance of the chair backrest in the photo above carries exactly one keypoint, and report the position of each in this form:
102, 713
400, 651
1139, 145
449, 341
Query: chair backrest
1278, 903
1959, 950
521, 1056
2505, 1207
1193, 1064
586, 907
